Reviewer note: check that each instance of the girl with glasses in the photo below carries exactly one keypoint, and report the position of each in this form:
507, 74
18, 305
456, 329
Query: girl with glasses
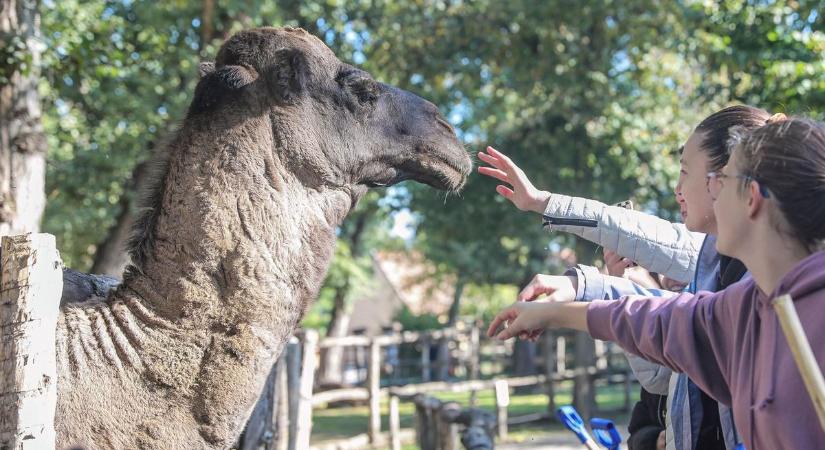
770, 214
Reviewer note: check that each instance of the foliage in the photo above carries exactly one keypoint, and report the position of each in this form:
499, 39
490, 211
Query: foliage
591, 99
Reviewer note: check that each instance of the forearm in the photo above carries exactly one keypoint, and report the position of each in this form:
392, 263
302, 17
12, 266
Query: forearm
594, 285
567, 315
653, 243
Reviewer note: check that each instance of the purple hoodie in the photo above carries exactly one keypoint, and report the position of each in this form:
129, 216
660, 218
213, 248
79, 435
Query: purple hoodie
731, 345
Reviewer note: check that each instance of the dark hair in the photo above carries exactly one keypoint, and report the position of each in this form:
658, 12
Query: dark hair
716, 129
787, 158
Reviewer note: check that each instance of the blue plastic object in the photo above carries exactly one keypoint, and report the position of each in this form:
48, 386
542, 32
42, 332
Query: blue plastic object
572, 420
605, 433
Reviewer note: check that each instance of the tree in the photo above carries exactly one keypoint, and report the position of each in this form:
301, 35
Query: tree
22, 142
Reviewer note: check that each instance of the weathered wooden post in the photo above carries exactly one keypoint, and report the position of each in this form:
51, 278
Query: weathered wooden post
304, 425
584, 396
395, 424
293, 372
425, 357
549, 371
281, 413
30, 289
475, 360
374, 383
446, 427
561, 354
425, 408
502, 402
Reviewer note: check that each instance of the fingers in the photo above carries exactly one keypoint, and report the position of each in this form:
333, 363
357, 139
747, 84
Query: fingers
505, 192
489, 159
534, 288
505, 315
495, 173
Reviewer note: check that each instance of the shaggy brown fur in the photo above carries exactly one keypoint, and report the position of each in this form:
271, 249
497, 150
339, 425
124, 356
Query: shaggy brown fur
280, 142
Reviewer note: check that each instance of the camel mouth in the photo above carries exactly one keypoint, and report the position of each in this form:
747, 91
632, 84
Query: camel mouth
438, 172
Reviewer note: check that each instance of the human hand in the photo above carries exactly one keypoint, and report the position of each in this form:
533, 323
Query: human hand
556, 289
522, 319
670, 284
661, 442
520, 191
616, 264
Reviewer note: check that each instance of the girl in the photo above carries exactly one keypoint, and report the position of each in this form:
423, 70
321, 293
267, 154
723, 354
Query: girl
769, 204
684, 252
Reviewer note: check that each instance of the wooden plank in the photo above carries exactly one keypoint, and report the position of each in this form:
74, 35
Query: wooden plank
374, 386
337, 395
31, 285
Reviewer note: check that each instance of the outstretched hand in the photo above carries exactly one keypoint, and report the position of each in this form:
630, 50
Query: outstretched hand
556, 288
518, 188
522, 319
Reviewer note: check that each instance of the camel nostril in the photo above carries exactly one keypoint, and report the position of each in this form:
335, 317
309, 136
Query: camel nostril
441, 121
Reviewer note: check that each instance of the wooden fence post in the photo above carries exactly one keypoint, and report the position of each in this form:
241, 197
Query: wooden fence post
31, 285
561, 354
395, 424
304, 426
502, 402
445, 425
425, 358
549, 371
374, 382
281, 409
293, 368
475, 360
425, 431
584, 397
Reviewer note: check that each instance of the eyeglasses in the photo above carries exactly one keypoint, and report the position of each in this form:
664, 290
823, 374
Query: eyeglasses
714, 183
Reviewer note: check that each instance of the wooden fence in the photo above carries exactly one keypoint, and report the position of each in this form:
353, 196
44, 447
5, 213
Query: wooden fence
295, 374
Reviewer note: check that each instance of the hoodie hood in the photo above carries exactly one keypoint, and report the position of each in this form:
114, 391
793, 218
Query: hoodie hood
807, 277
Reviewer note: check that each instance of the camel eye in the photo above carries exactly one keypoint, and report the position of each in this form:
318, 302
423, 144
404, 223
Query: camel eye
360, 85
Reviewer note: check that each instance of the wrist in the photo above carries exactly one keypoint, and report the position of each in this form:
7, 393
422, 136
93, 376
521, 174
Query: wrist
540, 202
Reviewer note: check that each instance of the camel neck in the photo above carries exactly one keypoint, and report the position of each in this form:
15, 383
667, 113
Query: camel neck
238, 236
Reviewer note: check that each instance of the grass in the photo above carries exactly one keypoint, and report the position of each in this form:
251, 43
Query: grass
343, 422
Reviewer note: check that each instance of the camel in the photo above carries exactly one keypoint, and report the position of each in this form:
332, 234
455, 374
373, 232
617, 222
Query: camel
279, 143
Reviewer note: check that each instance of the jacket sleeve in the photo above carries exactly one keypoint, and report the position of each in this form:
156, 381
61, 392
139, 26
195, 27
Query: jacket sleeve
594, 285
653, 243
688, 333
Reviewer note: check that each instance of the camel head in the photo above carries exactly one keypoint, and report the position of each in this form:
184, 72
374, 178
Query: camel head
333, 124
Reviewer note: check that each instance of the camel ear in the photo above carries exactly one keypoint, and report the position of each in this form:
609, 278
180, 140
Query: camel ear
219, 84
205, 68
287, 76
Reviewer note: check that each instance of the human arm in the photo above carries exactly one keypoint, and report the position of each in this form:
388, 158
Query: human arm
686, 333
653, 243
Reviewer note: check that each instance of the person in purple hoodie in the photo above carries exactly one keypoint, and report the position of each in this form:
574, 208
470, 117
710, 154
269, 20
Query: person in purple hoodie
769, 202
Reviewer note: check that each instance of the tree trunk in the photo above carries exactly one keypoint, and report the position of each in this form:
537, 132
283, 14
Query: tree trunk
331, 370
443, 358
112, 257
22, 142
